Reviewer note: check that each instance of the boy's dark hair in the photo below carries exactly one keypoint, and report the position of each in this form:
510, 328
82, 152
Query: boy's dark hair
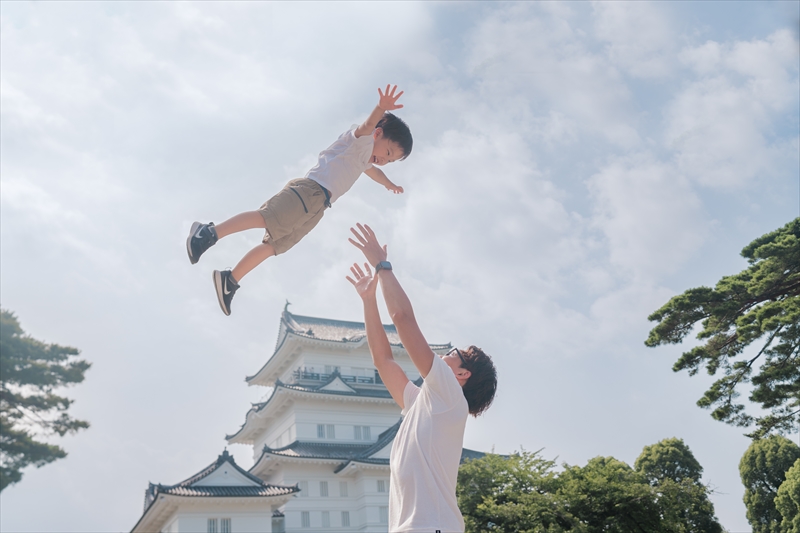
482, 384
395, 130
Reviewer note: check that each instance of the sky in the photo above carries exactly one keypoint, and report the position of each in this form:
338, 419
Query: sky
575, 165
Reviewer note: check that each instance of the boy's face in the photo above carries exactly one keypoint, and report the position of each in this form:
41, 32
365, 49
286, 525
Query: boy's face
383, 150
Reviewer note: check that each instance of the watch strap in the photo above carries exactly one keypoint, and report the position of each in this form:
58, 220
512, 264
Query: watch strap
383, 265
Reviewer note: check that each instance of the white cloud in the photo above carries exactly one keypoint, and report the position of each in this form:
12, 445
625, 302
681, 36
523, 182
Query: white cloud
721, 126
639, 36
528, 50
648, 212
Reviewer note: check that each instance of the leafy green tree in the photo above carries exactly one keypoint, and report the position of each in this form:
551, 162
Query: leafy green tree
30, 372
761, 306
763, 469
672, 470
511, 494
788, 500
608, 496
668, 459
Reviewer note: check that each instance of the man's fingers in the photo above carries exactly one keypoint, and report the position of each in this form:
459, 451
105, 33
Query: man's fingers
348, 278
368, 269
358, 235
358, 271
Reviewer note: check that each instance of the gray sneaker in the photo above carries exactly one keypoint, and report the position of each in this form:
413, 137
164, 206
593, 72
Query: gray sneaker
226, 287
201, 238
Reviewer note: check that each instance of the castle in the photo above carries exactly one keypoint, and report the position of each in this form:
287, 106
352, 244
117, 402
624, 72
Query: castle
321, 443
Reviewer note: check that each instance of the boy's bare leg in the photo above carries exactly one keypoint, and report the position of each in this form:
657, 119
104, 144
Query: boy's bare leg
241, 222
253, 258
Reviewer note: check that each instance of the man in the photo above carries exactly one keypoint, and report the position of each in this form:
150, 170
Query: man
427, 449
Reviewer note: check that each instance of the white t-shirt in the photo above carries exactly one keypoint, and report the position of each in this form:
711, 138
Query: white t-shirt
426, 454
340, 164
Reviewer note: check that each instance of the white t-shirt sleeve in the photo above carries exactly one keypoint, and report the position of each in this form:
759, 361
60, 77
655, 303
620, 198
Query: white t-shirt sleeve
443, 383
410, 394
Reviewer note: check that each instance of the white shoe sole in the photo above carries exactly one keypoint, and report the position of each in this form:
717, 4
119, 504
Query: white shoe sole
217, 277
189, 242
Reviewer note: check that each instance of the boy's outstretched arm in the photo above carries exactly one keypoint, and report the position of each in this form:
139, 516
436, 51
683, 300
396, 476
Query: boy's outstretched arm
386, 102
377, 175
391, 374
396, 301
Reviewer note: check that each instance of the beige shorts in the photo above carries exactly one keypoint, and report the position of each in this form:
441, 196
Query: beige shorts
292, 213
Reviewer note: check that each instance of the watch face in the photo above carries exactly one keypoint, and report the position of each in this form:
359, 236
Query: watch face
383, 265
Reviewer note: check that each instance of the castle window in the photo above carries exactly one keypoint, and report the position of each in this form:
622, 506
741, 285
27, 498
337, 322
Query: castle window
381, 485
320, 431
323, 489
211, 525
361, 432
303, 486
305, 519
225, 525
330, 429
383, 514
326, 519
345, 518
343, 490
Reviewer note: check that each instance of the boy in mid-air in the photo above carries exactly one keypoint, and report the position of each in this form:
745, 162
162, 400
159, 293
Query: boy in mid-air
289, 215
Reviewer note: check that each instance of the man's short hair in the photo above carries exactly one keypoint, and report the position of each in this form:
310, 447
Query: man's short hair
395, 130
481, 386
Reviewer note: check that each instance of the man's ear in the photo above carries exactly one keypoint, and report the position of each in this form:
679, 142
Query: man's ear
464, 374
377, 134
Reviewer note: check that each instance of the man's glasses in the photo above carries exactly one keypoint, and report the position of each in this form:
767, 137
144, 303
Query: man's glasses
458, 352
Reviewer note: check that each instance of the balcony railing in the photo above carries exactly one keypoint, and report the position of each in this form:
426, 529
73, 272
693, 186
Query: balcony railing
305, 375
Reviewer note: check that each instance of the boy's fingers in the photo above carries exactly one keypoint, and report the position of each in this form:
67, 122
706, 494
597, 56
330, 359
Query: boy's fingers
354, 243
348, 278
369, 270
398, 94
358, 270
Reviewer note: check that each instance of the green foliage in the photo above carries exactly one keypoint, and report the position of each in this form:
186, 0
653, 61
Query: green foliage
759, 305
510, 494
788, 500
524, 493
608, 496
672, 470
30, 371
763, 469
668, 459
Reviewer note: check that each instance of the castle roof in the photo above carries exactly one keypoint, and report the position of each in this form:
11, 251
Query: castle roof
320, 330
334, 388
221, 479
343, 454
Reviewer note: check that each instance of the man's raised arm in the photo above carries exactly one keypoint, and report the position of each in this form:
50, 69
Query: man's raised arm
391, 373
397, 301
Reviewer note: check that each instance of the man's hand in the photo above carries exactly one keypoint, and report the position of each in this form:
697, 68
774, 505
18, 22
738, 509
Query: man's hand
368, 244
365, 284
387, 100
395, 188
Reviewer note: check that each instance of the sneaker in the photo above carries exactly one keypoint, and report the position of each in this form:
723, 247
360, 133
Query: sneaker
226, 288
201, 238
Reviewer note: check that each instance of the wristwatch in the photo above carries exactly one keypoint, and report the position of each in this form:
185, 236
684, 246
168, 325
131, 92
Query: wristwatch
383, 265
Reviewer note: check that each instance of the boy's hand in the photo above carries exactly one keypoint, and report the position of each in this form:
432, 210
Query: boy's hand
365, 284
387, 100
368, 244
394, 188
